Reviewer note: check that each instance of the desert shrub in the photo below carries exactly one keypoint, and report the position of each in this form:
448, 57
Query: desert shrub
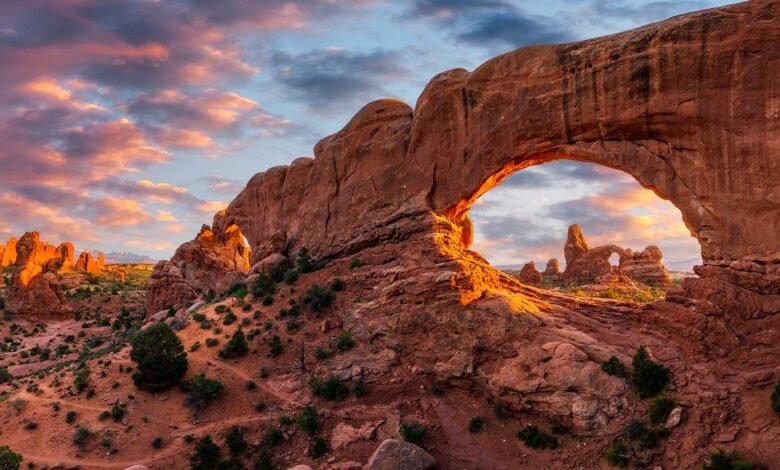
82, 378
290, 277
275, 347
500, 409
188, 438
720, 460
660, 409
476, 424
264, 461
160, 358
307, 420
250, 385
104, 415
81, 435
359, 389
211, 342
157, 442
305, 262
260, 406
263, 286
237, 346
650, 377
201, 391
337, 285
229, 319
775, 398
650, 438
613, 366
535, 438
321, 354
355, 263
70, 417
317, 298
318, 448
221, 308
31, 426
329, 388
268, 300
235, 441
344, 341
238, 290
117, 412
5, 376
617, 455
206, 455
273, 436
9, 460
413, 432
195, 346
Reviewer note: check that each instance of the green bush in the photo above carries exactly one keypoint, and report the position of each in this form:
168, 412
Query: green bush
535, 438
195, 346
318, 448
355, 263
5, 376
237, 346
272, 437
337, 285
9, 460
70, 417
344, 341
82, 378
617, 455
211, 342
305, 262
290, 277
720, 460
117, 412
359, 389
613, 366
329, 388
321, 354
318, 298
235, 441
413, 432
500, 409
201, 391
229, 319
81, 435
307, 420
160, 357
221, 308
650, 378
775, 398
206, 455
275, 347
660, 409
476, 424
157, 442
264, 286
198, 317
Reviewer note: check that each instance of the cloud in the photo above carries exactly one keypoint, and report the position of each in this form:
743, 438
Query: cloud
221, 185
112, 212
550, 174
325, 78
494, 24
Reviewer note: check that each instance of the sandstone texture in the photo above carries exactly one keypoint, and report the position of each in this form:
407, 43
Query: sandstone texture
584, 264
9, 255
552, 271
210, 262
35, 289
393, 454
394, 186
530, 275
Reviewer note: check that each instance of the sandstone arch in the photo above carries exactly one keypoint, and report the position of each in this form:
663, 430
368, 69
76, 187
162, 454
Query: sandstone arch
649, 102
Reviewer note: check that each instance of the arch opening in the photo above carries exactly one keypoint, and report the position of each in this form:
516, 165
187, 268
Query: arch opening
581, 227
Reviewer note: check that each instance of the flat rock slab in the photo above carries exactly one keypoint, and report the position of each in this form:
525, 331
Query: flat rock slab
394, 454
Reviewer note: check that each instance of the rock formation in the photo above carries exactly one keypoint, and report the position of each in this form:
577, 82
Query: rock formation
530, 275
9, 256
34, 289
585, 264
394, 187
212, 261
552, 272
87, 263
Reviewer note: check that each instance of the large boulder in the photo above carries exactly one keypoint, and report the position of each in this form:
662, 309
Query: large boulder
393, 454
210, 262
87, 263
530, 275
552, 272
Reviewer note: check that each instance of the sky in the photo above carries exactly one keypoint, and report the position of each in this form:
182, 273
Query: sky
125, 124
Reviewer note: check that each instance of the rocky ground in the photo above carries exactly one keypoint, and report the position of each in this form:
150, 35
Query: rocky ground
414, 365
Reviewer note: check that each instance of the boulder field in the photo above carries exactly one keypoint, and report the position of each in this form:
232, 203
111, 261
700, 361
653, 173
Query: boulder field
689, 107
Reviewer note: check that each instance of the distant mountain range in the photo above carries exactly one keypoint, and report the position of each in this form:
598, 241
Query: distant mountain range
682, 265
124, 257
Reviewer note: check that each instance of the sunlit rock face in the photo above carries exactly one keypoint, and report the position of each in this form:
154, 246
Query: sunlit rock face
9, 255
212, 261
35, 289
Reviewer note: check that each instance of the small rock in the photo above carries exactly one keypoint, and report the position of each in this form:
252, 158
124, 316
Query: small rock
675, 417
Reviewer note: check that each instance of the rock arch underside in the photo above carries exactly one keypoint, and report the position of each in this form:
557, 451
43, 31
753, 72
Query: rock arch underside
690, 107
